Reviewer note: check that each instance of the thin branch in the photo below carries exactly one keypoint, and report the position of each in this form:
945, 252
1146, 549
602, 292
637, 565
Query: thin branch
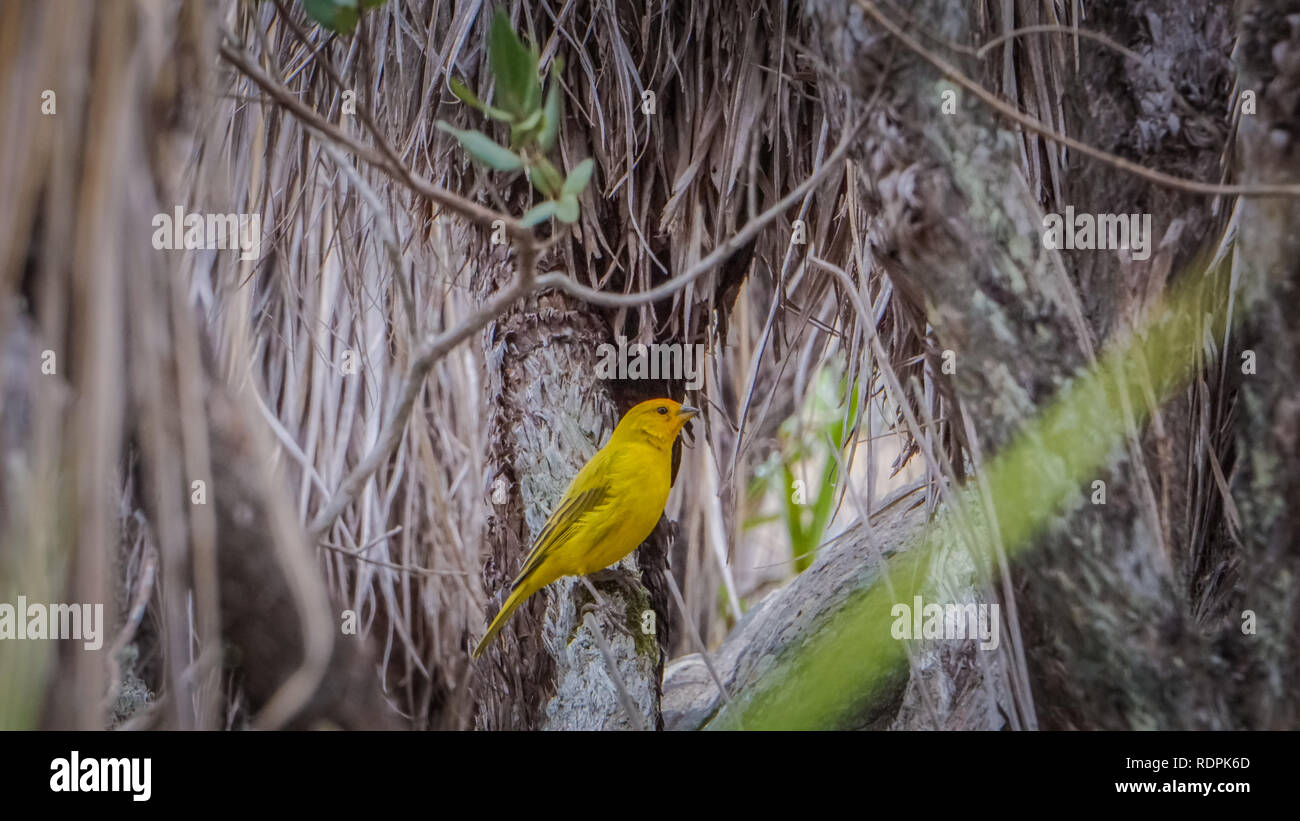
981, 52
322, 58
695, 636
1038, 127
470, 210
1053, 28
428, 353
724, 250
405, 568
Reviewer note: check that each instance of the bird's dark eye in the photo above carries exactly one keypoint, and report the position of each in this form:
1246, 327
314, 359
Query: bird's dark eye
662, 409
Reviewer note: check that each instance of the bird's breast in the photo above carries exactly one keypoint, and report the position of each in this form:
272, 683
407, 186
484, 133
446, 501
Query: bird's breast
642, 486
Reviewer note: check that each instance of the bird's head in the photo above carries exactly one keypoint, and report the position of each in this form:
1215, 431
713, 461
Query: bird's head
659, 420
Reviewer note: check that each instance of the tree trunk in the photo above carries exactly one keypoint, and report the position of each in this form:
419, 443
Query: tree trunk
1267, 483
1111, 636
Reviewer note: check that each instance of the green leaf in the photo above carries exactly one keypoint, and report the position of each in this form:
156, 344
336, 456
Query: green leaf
372, 4
793, 513
551, 116
539, 213
531, 121
822, 509
533, 95
463, 94
521, 133
578, 179
545, 178
482, 148
567, 209
514, 68
471, 99
336, 15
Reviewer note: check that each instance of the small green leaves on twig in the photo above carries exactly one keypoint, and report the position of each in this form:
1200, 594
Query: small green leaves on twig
550, 115
534, 124
565, 206
482, 148
577, 179
515, 68
467, 97
339, 16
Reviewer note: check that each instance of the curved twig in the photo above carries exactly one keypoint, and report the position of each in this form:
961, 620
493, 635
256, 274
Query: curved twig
1038, 127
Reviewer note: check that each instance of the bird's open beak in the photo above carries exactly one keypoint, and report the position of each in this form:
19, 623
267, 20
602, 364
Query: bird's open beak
688, 411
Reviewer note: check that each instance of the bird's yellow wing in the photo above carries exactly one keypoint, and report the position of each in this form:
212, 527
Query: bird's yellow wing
588, 493
584, 504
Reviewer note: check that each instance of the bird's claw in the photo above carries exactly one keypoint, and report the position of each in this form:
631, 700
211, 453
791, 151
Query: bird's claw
600, 606
629, 583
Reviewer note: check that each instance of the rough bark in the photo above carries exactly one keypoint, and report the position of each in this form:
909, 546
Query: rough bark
1267, 483
1138, 554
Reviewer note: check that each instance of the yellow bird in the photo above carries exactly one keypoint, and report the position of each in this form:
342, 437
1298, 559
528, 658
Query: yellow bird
609, 509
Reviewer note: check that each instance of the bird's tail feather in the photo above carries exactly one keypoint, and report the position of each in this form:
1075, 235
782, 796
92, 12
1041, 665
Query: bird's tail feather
503, 615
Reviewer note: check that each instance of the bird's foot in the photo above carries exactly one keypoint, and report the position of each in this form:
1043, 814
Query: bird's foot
629, 583
614, 615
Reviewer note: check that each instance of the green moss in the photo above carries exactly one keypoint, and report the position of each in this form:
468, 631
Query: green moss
635, 602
